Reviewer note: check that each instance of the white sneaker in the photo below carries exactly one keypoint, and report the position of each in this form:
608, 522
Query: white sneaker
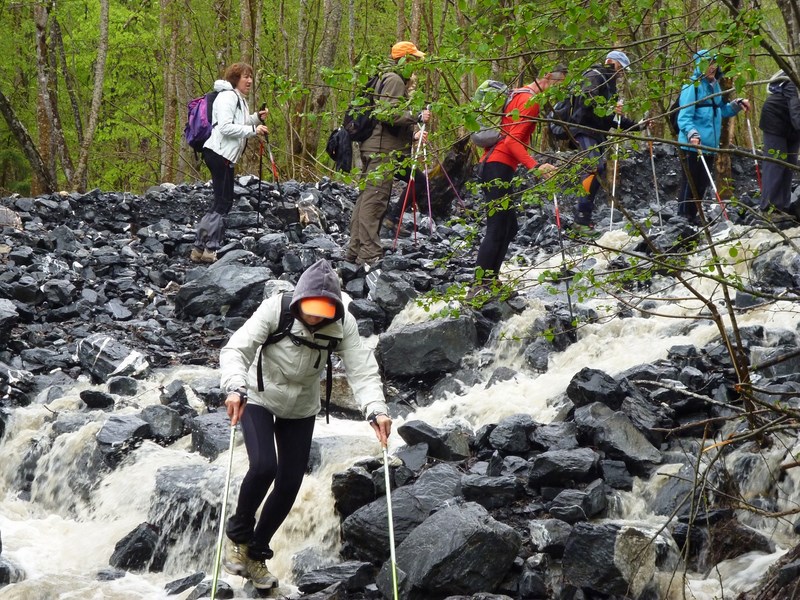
234, 558
259, 575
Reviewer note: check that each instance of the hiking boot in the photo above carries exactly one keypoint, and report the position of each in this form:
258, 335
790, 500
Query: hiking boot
234, 558
259, 575
208, 256
196, 255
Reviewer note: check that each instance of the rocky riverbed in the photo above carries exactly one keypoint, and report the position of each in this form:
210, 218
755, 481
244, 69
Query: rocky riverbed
524, 499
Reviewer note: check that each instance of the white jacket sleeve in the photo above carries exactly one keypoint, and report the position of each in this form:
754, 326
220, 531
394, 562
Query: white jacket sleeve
241, 350
361, 368
226, 106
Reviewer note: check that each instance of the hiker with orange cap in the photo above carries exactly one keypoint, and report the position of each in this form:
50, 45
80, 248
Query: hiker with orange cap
278, 422
389, 143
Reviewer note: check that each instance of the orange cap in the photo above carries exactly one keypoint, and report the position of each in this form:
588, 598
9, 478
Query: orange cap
318, 307
401, 49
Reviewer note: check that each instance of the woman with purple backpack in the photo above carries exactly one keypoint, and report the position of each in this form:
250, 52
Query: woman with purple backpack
232, 125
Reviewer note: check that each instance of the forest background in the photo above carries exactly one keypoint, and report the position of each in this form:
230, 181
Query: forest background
93, 94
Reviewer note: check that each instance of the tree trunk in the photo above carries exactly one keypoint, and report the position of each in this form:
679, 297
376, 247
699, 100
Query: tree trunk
69, 79
41, 172
301, 71
80, 178
325, 59
246, 40
44, 116
723, 163
170, 31
416, 20
402, 23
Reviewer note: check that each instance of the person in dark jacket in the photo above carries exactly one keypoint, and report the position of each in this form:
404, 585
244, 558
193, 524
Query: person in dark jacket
780, 125
599, 89
700, 124
278, 419
389, 143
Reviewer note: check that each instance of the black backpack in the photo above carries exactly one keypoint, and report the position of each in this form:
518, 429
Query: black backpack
359, 120
285, 329
562, 111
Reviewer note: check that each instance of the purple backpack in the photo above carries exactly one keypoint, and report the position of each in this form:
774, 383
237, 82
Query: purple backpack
198, 127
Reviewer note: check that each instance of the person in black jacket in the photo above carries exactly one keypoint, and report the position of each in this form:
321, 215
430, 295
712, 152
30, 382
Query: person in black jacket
598, 89
780, 124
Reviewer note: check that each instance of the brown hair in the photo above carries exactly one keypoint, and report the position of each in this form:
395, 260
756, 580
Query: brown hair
236, 71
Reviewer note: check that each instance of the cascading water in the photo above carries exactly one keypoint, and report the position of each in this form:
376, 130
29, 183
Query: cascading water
61, 514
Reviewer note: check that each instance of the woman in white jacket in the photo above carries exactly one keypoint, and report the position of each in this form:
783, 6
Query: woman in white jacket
283, 399
232, 124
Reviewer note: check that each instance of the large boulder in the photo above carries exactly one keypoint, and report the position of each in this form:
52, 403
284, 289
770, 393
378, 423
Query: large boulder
366, 532
428, 348
102, 356
228, 288
613, 433
460, 549
611, 558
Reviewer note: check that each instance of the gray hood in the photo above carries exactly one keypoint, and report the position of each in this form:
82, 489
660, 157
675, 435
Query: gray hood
318, 281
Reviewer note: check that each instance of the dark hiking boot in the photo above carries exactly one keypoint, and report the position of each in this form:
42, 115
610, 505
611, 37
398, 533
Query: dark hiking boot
234, 558
260, 576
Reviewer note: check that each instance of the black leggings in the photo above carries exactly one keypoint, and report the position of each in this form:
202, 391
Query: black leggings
687, 205
501, 226
262, 433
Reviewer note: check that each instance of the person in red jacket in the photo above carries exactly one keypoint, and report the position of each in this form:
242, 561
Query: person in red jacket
498, 165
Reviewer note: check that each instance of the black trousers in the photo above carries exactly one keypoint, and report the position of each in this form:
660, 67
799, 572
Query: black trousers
776, 179
211, 229
277, 450
501, 225
687, 207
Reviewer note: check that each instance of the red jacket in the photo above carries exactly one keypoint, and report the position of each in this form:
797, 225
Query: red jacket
512, 150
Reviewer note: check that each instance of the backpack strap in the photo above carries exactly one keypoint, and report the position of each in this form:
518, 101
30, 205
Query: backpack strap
284, 328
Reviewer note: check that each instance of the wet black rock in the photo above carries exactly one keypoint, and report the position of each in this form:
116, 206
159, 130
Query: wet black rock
475, 556
139, 550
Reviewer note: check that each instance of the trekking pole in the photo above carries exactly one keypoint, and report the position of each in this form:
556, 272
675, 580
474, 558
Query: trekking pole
450, 183
411, 190
218, 557
713, 185
563, 256
753, 148
427, 179
618, 120
391, 521
260, 176
655, 181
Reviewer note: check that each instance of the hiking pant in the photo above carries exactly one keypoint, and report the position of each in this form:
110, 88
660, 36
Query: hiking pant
694, 172
373, 204
776, 179
211, 229
501, 225
593, 167
263, 432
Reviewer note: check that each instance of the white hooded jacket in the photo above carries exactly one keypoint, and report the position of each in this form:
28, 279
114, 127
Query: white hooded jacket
231, 121
291, 372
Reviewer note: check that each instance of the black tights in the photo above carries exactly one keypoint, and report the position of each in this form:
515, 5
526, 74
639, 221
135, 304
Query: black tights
262, 433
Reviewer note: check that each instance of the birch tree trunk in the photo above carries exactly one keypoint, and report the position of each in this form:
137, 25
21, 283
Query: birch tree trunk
325, 59
80, 178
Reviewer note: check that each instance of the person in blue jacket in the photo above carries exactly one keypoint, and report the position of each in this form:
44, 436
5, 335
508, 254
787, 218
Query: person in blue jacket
700, 124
